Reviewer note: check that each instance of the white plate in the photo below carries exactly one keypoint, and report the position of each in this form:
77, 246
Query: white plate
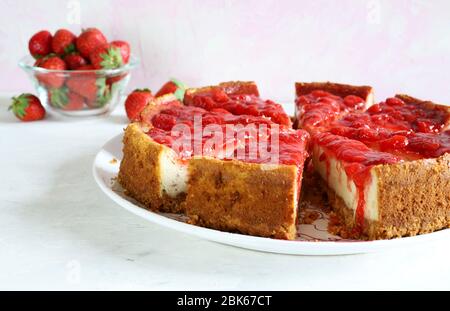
313, 239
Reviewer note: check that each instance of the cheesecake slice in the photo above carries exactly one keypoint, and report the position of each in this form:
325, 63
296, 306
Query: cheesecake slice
387, 168
217, 178
150, 171
319, 103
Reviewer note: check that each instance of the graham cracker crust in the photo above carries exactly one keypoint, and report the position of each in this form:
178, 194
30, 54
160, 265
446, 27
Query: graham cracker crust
242, 197
414, 198
139, 172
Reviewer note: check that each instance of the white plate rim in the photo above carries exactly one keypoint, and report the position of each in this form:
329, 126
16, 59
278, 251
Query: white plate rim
253, 242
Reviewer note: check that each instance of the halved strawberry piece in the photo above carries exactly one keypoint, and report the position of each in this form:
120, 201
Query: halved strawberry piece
423, 143
376, 108
164, 121
393, 143
427, 126
219, 95
220, 110
395, 102
353, 101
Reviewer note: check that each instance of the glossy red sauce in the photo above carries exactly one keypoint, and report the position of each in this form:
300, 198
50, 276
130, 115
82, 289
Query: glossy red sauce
319, 107
242, 104
409, 130
291, 142
357, 159
386, 133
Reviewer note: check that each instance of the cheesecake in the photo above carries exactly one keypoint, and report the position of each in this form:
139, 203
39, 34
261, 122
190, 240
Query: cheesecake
233, 161
386, 166
315, 107
213, 158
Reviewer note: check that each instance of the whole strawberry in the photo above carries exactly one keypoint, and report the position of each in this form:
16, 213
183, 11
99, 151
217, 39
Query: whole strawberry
93, 89
52, 79
27, 107
64, 99
136, 102
63, 42
83, 84
104, 94
89, 40
74, 61
109, 56
125, 49
40, 44
173, 86
74, 102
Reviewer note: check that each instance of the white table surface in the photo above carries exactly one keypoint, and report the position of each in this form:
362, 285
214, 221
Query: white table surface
59, 231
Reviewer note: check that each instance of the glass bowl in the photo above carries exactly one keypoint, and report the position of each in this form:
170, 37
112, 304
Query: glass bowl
79, 93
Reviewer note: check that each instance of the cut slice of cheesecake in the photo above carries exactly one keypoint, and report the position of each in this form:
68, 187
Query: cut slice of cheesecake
151, 172
223, 183
377, 195
318, 103
387, 168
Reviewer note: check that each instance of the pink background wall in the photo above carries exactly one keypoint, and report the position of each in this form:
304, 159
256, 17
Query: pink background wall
396, 46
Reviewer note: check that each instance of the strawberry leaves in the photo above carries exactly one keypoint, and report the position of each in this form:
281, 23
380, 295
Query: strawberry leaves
179, 94
69, 49
19, 105
179, 84
181, 88
103, 92
111, 59
58, 97
27, 107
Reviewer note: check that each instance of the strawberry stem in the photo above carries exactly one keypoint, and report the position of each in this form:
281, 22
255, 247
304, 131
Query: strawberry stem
19, 105
111, 59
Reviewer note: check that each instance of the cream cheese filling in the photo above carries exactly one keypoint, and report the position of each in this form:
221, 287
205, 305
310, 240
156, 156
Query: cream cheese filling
344, 187
173, 173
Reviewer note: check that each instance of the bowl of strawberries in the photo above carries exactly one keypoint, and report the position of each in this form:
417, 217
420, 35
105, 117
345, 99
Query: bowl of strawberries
78, 76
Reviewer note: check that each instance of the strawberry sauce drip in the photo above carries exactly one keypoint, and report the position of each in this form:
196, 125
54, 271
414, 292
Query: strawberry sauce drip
358, 160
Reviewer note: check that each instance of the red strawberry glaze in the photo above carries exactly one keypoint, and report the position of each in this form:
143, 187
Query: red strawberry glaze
386, 133
241, 104
320, 107
357, 159
164, 131
410, 130
429, 145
